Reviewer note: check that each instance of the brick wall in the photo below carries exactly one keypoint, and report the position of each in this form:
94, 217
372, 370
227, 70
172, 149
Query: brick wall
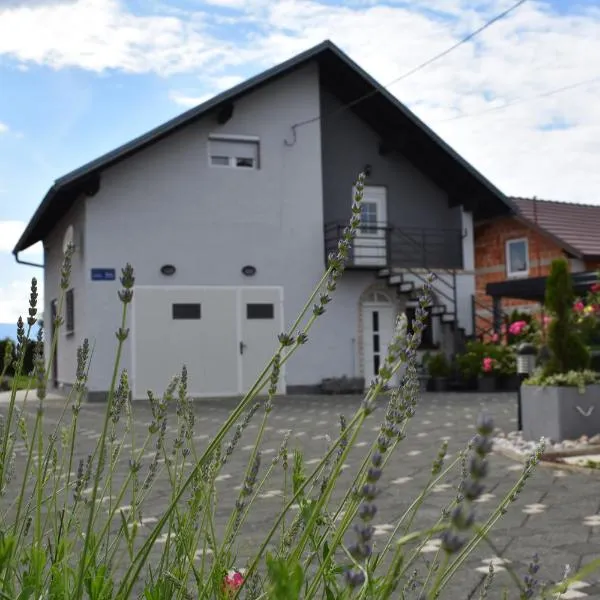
490, 262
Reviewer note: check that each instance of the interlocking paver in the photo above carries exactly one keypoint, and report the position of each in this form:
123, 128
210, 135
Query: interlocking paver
556, 515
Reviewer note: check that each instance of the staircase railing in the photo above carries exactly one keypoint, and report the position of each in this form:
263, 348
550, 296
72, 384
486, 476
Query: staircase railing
450, 294
490, 327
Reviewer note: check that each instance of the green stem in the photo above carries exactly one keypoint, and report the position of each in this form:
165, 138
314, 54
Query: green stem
134, 569
101, 457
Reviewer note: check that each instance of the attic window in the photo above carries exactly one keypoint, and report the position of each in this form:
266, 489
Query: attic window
237, 153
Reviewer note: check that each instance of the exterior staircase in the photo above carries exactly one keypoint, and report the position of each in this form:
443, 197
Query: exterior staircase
409, 282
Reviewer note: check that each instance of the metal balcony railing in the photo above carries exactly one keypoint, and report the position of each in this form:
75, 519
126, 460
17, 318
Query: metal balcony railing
380, 245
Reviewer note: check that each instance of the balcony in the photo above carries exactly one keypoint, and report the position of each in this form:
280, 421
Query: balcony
379, 246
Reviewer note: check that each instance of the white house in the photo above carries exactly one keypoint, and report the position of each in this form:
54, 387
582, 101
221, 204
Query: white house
227, 213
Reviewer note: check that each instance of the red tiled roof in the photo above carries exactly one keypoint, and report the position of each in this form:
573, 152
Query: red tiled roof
577, 225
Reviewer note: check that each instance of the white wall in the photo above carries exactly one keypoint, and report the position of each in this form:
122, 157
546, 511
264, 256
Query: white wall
166, 205
53, 261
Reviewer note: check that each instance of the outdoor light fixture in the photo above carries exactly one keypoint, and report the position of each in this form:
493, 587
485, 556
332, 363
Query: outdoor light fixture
168, 269
526, 357
249, 270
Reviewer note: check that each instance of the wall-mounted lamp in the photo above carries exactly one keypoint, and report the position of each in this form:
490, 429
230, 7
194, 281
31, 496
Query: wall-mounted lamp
168, 270
249, 270
367, 170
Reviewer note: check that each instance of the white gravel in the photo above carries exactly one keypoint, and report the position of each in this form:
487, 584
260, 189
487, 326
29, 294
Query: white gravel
514, 441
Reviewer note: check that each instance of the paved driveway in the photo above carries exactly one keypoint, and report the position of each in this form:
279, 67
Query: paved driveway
557, 515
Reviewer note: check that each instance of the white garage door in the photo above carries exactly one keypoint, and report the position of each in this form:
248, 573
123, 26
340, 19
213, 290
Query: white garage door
224, 336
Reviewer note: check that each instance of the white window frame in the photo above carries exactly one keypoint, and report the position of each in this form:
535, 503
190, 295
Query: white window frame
243, 139
510, 243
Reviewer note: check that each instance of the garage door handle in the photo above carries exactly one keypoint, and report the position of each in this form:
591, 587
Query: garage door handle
242, 346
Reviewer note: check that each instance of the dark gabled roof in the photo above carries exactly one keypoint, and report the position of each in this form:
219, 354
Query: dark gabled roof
575, 227
398, 127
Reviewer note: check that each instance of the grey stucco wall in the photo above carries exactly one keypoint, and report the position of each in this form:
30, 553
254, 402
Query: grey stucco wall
348, 145
53, 261
166, 205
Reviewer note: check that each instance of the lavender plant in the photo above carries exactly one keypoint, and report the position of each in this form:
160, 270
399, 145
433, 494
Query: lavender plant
73, 523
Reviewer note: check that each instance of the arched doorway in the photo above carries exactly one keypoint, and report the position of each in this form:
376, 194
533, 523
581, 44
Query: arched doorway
378, 314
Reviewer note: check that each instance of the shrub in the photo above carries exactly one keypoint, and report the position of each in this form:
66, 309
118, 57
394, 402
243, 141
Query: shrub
438, 365
567, 350
65, 533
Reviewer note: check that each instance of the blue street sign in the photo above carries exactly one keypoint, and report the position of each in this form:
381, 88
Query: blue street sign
103, 275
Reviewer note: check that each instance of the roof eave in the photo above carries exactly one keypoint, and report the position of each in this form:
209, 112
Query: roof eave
25, 241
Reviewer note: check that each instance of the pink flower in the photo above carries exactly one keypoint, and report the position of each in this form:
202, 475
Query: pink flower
595, 288
495, 337
232, 582
578, 306
517, 327
547, 320
488, 364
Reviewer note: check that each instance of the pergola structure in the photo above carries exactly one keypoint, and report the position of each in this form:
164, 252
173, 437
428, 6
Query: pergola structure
532, 289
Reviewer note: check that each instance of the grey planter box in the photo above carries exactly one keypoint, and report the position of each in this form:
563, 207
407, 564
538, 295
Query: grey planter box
560, 413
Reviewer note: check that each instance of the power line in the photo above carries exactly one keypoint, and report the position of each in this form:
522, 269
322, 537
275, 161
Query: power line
429, 61
559, 90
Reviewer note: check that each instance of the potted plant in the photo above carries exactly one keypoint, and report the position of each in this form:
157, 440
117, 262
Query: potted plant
469, 365
488, 376
507, 377
439, 370
562, 399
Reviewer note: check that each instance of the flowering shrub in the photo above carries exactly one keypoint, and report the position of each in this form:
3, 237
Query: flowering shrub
483, 358
587, 315
65, 533
489, 365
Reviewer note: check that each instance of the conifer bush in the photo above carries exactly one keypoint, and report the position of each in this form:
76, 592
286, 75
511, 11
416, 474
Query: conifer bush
567, 349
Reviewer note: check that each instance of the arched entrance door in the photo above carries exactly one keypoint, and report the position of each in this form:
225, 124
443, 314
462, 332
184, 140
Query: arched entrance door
379, 314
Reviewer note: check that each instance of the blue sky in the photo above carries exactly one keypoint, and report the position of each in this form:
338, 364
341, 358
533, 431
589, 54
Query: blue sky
80, 77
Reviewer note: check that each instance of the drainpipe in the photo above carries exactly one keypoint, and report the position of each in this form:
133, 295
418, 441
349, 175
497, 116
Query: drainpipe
25, 262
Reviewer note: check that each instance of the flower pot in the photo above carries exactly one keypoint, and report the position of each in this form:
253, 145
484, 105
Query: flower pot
560, 413
439, 384
487, 384
509, 383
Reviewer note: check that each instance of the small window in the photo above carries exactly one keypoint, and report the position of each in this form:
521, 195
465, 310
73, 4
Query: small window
234, 153
517, 258
186, 311
70, 312
260, 311
368, 217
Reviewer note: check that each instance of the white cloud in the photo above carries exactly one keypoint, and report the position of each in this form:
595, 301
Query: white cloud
216, 86
10, 232
3, 127
187, 100
14, 297
102, 34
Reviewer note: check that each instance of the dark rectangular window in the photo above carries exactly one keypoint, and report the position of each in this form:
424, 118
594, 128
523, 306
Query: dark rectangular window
70, 312
376, 342
375, 320
186, 311
260, 311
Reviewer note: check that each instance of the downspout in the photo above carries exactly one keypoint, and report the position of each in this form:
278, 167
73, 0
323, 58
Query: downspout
25, 262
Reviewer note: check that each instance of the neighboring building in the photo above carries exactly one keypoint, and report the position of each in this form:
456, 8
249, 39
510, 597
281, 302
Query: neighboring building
513, 255
227, 213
